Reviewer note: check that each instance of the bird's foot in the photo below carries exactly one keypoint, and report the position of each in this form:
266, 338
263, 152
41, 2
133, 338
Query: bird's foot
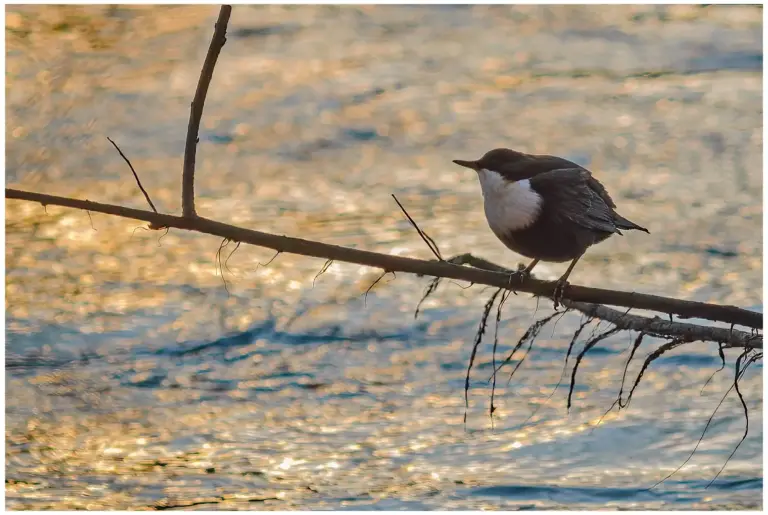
560, 287
517, 277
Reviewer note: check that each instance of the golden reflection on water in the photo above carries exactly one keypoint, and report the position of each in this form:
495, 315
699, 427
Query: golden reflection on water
136, 380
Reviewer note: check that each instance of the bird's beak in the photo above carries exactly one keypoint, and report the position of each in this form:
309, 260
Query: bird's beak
466, 164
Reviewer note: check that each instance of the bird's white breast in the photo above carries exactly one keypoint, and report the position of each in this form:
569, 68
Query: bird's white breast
509, 206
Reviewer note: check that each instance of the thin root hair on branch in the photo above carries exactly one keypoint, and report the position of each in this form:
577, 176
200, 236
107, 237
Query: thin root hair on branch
721, 354
478, 339
499, 307
264, 265
635, 346
226, 265
374, 283
574, 338
431, 288
739, 374
529, 336
587, 347
160, 238
653, 356
326, 265
219, 264
91, 220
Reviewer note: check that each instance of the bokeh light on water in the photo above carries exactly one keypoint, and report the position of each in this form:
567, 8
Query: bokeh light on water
134, 379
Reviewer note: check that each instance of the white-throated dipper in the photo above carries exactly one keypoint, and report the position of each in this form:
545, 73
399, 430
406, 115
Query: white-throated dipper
545, 207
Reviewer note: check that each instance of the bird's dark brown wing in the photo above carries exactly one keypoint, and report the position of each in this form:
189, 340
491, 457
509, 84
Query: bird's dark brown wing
598, 188
572, 194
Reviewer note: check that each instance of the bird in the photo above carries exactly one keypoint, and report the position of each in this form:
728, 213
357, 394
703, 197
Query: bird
545, 207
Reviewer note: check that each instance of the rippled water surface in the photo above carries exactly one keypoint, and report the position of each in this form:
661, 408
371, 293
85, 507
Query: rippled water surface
134, 379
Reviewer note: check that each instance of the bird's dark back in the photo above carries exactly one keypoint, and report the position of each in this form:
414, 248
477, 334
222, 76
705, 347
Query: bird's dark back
518, 166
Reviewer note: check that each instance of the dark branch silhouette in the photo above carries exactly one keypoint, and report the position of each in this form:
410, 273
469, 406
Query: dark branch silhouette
478, 339
196, 112
424, 236
135, 175
587, 347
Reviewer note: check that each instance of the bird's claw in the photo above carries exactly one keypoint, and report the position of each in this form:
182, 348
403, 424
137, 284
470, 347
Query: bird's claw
559, 291
517, 277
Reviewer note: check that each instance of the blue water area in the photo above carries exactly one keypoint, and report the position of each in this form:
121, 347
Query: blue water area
592, 497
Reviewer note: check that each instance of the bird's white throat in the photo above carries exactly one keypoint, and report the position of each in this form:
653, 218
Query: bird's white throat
509, 206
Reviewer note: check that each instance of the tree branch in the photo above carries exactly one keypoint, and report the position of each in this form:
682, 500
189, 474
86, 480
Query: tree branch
196, 112
651, 326
574, 293
661, 328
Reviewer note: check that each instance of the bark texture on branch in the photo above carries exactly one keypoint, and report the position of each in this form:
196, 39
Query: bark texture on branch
574, 293
661, 328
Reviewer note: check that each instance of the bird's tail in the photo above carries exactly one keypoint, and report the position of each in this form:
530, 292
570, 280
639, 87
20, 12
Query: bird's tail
623, 223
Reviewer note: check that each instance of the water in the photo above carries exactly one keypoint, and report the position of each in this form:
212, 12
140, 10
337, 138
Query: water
134, 379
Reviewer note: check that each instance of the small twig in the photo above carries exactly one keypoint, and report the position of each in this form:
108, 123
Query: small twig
91, 219
650, 359
136, 229
706, 426
536, 328
196, 111
374, 283
326, 265
520, 362
167, 229
587, 346
431, 288
504, 297
478, 339
226, 265
529, 336
635, 346
722, 365
739, 372
277, 253
224, 243
135, 175
424, 236
600, 420
562, 372
554, 326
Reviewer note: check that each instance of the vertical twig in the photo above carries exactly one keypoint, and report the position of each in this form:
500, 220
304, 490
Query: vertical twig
196, 112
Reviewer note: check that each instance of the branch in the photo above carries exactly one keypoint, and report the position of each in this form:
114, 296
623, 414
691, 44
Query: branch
682, 308
135, 175
661, 328
574, 293
196, 112
655, 326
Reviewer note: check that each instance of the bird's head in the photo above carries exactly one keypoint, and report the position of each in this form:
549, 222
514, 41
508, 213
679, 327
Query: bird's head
494, 160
